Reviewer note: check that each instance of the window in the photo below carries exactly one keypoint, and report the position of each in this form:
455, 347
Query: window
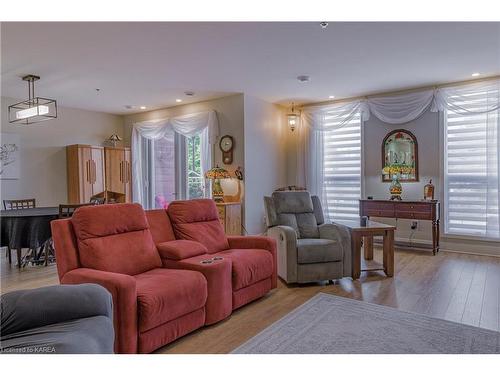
195, 181
172, 169
342, 166
471, 168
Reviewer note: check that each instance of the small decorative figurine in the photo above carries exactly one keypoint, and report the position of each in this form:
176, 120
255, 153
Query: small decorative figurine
239, 173
429, 191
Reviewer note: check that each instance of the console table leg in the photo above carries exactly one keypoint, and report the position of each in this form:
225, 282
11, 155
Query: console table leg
368, 247
437, 235
356, 256
389, 253
434, 236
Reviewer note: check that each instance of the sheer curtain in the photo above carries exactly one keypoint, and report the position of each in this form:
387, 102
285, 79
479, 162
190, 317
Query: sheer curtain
315, 124
203, 123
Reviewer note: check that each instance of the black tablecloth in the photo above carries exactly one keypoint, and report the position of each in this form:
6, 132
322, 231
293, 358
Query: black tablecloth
27, 228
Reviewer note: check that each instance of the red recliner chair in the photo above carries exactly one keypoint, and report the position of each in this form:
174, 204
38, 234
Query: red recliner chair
238, 269
111, 245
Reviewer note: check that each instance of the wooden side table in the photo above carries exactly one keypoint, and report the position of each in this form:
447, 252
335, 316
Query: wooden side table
358, 233
230, 217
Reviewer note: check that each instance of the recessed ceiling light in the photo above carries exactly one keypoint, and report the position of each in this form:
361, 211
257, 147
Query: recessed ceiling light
331, 97
304, 78
189, 93
128, 106
476, 74
142, 107
178, 100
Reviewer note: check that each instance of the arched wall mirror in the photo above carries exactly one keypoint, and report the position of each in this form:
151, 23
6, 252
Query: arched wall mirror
400, 156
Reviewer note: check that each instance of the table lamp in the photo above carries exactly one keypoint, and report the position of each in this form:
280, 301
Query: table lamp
216, 174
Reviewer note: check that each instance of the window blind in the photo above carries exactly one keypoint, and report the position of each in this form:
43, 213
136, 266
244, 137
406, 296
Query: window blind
471, 167
342, 166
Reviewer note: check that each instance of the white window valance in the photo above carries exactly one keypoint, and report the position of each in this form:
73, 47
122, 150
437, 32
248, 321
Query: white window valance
406, 107
204, 124
186, 125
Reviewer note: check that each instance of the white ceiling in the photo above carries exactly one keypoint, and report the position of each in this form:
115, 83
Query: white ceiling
152, 64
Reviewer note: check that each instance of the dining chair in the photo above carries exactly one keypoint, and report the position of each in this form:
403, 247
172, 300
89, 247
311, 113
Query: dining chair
97, 200
67, 210
18, 204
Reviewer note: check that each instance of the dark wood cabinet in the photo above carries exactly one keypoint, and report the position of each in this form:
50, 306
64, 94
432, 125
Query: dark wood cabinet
417, 210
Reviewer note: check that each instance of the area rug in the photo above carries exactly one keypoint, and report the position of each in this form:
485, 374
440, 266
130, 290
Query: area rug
331, 324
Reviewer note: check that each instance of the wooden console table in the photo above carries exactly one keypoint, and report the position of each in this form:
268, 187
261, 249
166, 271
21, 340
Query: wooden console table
418, 210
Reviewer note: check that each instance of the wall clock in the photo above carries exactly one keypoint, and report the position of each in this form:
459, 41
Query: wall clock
226, 146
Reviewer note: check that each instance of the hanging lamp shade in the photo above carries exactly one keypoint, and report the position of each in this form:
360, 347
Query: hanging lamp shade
35, 109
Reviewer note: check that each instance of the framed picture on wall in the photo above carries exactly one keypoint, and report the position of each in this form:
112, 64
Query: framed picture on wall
9, 157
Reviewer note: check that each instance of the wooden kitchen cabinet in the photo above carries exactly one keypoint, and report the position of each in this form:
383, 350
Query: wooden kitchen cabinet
118, 173
85, 172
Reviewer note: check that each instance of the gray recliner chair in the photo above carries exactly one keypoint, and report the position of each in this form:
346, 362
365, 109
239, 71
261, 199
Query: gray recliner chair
68, 319
309, 249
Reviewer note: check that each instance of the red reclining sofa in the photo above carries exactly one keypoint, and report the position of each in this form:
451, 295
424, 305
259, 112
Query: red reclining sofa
169, 271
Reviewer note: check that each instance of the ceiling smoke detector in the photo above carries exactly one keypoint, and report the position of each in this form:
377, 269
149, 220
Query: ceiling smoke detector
304, 78
323, 25
189, 93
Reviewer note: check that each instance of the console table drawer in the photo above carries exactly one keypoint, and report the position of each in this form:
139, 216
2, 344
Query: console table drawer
413, 215
378, 213
414, 207
379, 206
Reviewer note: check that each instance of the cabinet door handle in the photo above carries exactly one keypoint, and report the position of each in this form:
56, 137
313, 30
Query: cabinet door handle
94, 172
87, 170
129, 172
121, 171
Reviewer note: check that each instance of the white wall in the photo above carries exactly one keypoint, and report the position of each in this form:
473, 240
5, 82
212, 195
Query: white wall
265, 158
43, 153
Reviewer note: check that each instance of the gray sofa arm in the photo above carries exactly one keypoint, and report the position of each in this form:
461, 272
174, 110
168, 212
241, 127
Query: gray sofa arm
26, 309
286, 240
333, 231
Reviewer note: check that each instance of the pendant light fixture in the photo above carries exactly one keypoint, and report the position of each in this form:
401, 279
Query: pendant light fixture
35, 109
293, 119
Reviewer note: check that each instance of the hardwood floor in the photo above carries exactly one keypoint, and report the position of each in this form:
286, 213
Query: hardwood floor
458, 287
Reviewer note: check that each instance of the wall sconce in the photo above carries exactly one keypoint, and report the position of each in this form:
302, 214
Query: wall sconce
293, 119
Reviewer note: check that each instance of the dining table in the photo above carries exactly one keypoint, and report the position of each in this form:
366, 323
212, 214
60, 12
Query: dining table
28, 228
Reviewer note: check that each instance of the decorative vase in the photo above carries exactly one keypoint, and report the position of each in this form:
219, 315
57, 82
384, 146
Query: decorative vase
395, 189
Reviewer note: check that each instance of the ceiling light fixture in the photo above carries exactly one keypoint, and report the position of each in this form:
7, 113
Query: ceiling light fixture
304, 78
178, 100
293, 119
35, 109
189, 93
476, 74
142, 107
331, 97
